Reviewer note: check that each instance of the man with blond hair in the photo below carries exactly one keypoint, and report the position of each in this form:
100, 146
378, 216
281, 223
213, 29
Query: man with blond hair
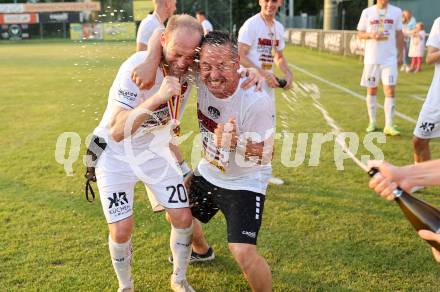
137, 127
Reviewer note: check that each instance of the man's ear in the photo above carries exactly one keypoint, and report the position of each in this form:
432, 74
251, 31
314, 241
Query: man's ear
163, 39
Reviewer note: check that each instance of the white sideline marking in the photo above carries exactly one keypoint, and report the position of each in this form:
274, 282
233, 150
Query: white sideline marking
417, 97
346, 90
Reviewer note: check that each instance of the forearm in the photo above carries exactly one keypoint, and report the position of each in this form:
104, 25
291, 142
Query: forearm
154, 51
141, 47
363, 35
422, 174
433, 56
283, 65
400, 43
175, 149
247, 63
135, 118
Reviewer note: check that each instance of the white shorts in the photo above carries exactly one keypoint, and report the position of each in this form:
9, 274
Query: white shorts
428, 123
116, 180
373, 73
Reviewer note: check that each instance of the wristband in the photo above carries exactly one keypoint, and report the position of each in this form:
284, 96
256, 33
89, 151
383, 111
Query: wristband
185, 168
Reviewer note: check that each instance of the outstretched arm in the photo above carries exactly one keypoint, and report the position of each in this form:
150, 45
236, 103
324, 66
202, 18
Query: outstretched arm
390, 176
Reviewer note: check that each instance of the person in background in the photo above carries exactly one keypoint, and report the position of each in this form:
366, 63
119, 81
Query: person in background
206, 24
417, 47
428, 123
381, 27
261, 45
163, 9
408, 25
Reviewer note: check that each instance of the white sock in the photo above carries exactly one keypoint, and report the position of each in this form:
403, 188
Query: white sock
120, 254
371, 107
180, 243
389, 106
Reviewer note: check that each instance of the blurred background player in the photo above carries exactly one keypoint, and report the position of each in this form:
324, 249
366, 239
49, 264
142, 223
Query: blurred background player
407, 177
206, 24
417, 47
428, 123
381, 26
408, 25
163, 9
260, 45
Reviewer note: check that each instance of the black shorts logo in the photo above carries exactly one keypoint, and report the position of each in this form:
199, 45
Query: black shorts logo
119, 199
213, 112
427, 127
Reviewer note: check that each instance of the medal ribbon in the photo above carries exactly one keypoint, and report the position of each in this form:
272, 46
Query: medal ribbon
175, 101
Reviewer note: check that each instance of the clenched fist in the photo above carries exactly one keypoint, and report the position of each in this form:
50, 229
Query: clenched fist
143, 76
170, 86
225, 135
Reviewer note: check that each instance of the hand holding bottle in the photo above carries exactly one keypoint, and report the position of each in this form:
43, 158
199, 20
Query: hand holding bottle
388, 179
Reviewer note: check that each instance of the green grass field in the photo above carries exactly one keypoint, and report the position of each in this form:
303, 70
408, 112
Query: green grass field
322, 230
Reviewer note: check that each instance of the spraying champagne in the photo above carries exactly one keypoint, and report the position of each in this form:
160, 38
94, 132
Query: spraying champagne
420, 214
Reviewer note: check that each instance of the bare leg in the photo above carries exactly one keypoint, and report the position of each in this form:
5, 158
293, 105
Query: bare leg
254, 267
421, 149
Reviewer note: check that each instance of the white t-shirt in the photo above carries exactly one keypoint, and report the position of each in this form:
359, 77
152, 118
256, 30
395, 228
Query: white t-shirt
155, 131
253, 113
207, 26
417, 45
262, 39
433, 97
147, 27
383, 52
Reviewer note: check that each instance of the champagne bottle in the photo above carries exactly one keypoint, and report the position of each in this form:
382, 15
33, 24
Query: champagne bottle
419, 213
282, 83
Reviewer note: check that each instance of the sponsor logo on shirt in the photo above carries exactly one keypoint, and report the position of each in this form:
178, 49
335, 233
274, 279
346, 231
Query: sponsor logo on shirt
213, 112
160, 116
268, 42
125, 94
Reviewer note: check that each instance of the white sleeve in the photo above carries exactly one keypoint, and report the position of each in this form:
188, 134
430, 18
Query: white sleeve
399, 24
126, 93
434, 35
245, 34
145, 31
207, 25
362, 25
260, 119
282, 43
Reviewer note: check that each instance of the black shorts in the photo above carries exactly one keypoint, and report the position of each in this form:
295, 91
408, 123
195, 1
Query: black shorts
243, 209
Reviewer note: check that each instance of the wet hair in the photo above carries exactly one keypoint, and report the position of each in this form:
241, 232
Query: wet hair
185, 21
221, 38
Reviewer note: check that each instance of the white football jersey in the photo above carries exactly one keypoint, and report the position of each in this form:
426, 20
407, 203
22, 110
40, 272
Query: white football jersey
387, 21
156, 129
254, 115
